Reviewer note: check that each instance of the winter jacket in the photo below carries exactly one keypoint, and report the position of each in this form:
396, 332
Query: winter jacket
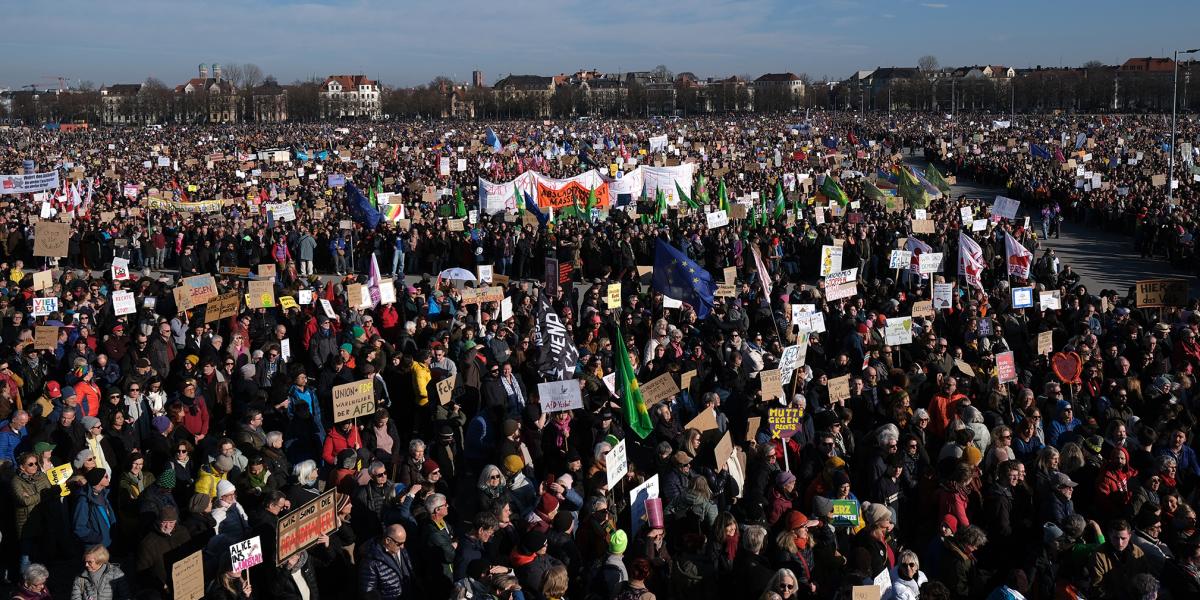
1108, 572
384, 576
958, 571
207, 480
27, 492
336, 441
111, 585
93, 518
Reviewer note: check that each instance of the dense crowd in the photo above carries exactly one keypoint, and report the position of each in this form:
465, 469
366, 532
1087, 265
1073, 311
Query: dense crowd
186, 434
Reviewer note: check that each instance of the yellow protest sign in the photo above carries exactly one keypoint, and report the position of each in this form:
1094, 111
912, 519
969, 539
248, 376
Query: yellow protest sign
288, 302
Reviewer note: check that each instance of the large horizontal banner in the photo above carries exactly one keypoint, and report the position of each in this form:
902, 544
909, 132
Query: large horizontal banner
23, 184
203, 206
498, 197
572, 194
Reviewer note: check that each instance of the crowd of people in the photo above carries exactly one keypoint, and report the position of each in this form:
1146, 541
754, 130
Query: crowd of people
133, 442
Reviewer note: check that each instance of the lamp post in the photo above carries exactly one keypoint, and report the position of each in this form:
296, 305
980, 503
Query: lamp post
1174, 114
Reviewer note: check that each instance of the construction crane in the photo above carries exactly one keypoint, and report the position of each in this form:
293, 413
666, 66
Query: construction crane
62, 81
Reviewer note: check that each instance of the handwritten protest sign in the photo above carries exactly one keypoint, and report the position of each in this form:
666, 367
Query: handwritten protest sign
658, 389
784, 422
559, 396
246, 554
301, 527
354, 399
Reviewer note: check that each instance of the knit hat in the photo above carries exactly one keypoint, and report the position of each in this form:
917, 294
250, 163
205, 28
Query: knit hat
168, 513
618, 542
225, 488
95, 476
192, 358
68, 392
797, 520
82, 457
161, 423
510, 427
784, 478
223, 463
166, 480
429, 467
53, 389
358, 331
972, 455
875, 513
340, 502
862, 328
822, 506
951, 522
90, 422
349, 348
532, 541
547, 504
838, 479
513, 463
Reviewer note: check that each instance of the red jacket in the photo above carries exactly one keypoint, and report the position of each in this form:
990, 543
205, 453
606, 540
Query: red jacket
1112, 486
336, 441
195, 417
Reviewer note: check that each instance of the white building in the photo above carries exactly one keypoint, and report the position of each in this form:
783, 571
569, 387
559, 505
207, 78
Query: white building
350, 96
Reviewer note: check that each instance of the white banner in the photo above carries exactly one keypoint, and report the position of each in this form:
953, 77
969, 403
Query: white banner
665, 178
1005, 207
24, 184
630, 184
717, 219
123, 303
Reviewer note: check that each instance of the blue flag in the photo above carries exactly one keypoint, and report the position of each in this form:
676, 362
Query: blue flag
679, 277
830, 142
301, 155
492, 140
1038, 151
361, 209
532, 207
322, 154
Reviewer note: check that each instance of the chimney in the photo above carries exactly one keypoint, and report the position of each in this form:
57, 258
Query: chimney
203, 71
216, 71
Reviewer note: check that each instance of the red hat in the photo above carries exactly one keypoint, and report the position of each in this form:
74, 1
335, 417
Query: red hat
797, 520
53, 389
951, 522
429, 467
862, 328
548, 504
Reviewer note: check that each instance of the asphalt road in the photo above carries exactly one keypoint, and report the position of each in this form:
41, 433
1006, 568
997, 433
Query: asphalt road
1103, 260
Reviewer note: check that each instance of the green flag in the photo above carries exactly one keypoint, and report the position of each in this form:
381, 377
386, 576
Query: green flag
660, 205
460, 208
780, 201
691, 203
911, 190
518, 200
701, 192
873, 193
631, 394
833, 191
722, 196
935, 177
591, 203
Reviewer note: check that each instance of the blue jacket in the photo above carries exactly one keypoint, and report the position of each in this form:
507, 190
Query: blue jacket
93, 518
9, 441
381, 575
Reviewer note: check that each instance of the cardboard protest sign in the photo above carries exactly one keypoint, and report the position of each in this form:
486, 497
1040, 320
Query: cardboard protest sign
45, 337
445, 389
923, 308
51, 239
300, 528
187, 577
559, 396
730, 274
1045, 342
266, 270
42, 280
772, 387
839, 389
262, 294
705, 421
222, 307
723, 450
922, 226
1162, 292
354, 399
658, 389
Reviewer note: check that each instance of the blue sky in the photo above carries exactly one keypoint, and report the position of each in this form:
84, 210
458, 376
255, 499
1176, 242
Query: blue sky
408, 42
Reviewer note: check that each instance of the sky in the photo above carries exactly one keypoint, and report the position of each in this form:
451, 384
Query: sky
409, 42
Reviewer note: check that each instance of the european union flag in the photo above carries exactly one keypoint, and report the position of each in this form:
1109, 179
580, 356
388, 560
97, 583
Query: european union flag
679, 277
361, 209
1038, 151
492, 140
532, 207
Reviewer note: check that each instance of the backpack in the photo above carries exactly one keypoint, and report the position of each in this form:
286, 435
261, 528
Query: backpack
628, 592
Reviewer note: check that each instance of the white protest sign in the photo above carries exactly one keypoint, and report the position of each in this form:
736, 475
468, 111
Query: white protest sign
1051, 300
559, 396
930, 262
246, 554
669, 302
120, 269
981, 224
943, 294
899, 259
304, 297
1022, 297
285, 349
44, 306
1005, 207
617, 462
123, 303
717, 219
898, 331
831, 260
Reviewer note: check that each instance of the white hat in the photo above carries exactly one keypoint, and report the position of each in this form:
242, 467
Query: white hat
225, 488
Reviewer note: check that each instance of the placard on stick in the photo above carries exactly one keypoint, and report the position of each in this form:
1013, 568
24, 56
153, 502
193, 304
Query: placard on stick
839, 389
42, 280
262, 294
659, 389
187, 577
354, 399
51, 239
301, 527
445, 389
222, 307
45, 337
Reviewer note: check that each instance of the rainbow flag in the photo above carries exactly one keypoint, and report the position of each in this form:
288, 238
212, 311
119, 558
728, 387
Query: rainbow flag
392, 212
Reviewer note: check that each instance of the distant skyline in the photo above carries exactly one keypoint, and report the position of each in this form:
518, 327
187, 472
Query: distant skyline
409, 43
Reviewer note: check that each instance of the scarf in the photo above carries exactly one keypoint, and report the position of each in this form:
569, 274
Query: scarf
513, 391
258, 481
731, 545
563, 433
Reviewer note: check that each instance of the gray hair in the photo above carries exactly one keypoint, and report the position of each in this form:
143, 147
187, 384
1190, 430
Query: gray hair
274, 436
303, 470
888, 434
35, 573
416, 446
753, 538
600, 449
434, 502
486, 473
908, 555
971, 536
779, 576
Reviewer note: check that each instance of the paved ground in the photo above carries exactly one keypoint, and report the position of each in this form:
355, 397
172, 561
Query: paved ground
1104, 260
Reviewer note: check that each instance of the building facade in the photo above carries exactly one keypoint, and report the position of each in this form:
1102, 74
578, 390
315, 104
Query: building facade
350, 96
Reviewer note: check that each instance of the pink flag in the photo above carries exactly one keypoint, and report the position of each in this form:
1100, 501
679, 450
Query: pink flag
373, 281
1019, 258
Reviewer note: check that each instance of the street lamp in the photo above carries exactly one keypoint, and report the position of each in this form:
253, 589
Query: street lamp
1174, 111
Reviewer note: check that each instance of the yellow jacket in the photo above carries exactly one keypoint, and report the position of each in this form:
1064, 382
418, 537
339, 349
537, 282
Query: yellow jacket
207, 480
421, 377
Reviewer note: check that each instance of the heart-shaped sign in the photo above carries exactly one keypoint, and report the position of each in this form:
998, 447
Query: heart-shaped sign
1067, 366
